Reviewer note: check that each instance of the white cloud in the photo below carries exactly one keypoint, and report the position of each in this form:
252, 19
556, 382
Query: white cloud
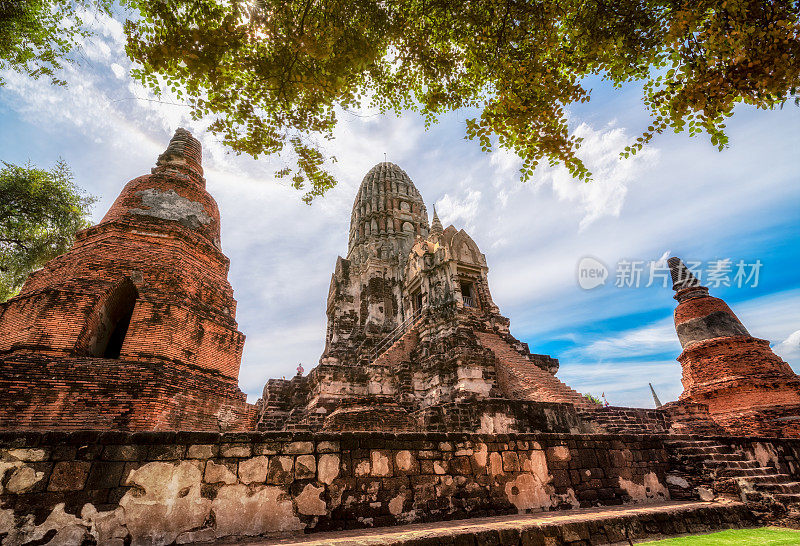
506, 161
626, 384
605, 195
656, 338
662, 261
789, 348
463, 210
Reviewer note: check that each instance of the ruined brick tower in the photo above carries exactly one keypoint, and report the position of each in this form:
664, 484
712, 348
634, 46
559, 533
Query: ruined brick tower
748, 389
414, 340
134, 328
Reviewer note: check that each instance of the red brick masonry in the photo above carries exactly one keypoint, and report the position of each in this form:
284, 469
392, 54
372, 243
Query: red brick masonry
134, 328
749, 390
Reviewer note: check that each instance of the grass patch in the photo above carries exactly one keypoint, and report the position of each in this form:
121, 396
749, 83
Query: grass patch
766, 536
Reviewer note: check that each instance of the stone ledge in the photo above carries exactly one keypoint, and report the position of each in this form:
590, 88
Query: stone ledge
32, 438
589, 526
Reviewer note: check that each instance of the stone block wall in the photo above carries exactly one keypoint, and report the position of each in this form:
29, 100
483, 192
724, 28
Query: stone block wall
367, 415
780, 456
622, 420
783, 454
157, 488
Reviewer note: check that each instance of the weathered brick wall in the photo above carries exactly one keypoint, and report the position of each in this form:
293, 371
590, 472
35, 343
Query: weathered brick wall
184, 312
779, 421
193, 486
729, 359
500, 415
41, 392
150, 277
748, 389
687, 417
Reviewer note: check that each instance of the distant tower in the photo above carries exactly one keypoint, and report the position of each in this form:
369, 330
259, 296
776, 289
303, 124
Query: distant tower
133, 328
414, 339
746, 386
655, 396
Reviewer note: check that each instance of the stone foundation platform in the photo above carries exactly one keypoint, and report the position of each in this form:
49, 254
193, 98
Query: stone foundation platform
160, 488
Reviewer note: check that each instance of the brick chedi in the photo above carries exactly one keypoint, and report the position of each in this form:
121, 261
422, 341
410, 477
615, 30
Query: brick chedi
134, 328
748, 389
414, 339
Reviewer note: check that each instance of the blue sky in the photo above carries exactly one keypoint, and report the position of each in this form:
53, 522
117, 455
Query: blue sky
680, 196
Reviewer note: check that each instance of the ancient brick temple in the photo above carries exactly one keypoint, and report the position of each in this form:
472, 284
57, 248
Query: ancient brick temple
134, 328
749, 390
423, 407
414, 340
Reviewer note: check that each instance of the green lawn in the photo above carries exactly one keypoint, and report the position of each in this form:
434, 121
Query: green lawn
772, 536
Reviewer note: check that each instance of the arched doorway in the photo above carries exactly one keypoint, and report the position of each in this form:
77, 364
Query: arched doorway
107, 327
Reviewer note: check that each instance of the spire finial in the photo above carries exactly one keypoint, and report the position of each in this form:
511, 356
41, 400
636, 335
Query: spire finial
184, 153
436, 224
684, 283
682, 277
655, 396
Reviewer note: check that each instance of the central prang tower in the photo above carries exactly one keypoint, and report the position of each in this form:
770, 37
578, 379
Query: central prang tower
414, 340
365, 300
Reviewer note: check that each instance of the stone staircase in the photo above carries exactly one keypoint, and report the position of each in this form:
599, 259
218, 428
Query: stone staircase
619, 420
519, 378
723, 469
400, 350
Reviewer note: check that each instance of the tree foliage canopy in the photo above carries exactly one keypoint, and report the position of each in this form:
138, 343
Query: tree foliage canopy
40, 211
37, 36
274, 73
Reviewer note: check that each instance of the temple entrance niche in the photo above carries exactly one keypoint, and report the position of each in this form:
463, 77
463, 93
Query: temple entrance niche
416, 300
106, 329
468, 293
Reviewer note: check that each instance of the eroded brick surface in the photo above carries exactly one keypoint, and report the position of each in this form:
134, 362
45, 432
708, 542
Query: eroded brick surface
134, 328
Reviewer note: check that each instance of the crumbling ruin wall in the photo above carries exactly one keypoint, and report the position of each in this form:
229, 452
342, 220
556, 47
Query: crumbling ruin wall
55, 393
156, 488
780, 421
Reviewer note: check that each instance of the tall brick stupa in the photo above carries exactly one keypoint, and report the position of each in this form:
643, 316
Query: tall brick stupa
134, 328
748, 388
